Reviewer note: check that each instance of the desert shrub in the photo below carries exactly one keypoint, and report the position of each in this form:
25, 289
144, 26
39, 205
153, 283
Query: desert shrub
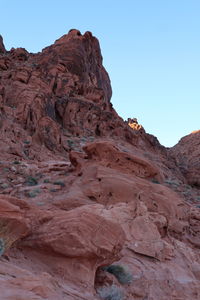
31, 181
112, 292
91, 138
188, 186
46, 181
61, 183
16, 162
2, 246
4, 185
120, 272
154, 180
70, 143
33, 194
172, 182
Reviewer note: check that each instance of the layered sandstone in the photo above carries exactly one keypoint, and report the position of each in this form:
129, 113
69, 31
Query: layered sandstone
81, 189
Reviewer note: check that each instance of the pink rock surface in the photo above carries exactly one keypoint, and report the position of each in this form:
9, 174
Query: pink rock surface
81, 189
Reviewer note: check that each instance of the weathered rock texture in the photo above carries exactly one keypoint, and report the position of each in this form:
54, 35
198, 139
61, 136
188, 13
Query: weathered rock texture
81, 189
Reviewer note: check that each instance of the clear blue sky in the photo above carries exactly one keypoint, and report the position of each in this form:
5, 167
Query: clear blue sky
151, 50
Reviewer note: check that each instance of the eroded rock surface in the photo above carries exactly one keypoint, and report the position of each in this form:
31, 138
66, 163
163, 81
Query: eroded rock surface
186, 154
81, 189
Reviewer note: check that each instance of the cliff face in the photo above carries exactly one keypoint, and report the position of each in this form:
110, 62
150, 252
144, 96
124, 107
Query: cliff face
82, 190
187, 153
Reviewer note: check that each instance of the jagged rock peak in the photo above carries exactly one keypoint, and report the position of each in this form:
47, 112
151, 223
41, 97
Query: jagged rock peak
80, 55
75, 34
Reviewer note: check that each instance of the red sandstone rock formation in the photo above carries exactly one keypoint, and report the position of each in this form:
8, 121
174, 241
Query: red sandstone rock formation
2, 48
186, 154
81, 189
